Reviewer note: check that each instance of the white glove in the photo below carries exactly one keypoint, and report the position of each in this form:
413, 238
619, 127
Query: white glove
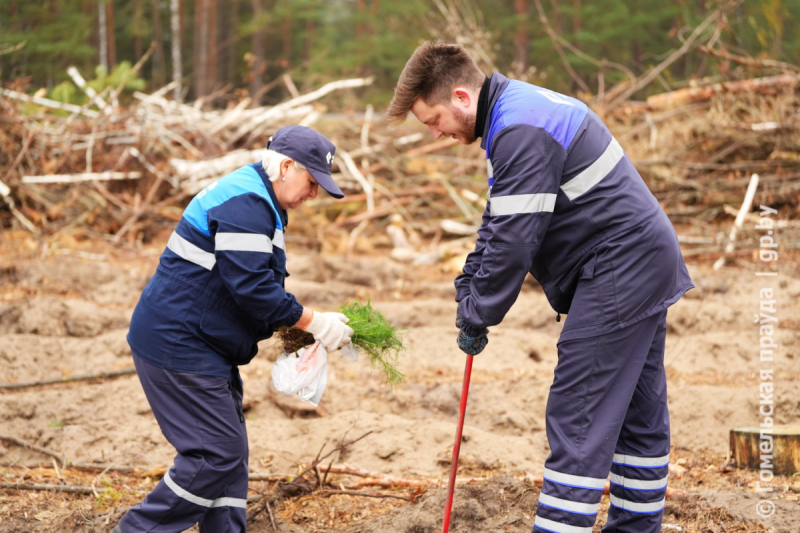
330, 329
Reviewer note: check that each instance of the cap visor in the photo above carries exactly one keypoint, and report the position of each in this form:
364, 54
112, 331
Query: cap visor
326, 182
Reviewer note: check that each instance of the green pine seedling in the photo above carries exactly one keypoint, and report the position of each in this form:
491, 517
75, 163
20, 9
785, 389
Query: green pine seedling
378, 338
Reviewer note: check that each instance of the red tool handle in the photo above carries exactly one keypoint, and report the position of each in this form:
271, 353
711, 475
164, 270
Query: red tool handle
462, 411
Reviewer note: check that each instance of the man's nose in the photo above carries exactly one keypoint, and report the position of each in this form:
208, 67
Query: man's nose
314, 189
436, 132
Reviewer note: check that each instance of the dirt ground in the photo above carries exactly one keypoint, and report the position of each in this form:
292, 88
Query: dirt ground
64, 311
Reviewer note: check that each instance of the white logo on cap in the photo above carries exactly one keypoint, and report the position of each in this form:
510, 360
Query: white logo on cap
329, 158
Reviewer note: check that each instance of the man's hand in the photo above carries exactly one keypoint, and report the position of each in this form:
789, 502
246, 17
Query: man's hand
471, 340
472, 345
330, 329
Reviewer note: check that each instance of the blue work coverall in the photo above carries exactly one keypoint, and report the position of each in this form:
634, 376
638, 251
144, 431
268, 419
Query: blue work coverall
567, 205
218, 290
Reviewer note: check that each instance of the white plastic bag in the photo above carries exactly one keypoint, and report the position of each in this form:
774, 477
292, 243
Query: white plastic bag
304, 373
349, 352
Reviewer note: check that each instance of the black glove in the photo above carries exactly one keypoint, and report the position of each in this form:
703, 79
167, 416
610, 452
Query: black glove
471, 340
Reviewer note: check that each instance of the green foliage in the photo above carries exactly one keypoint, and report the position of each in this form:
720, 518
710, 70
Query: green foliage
375, 336
121, 74
317, 41
66, 92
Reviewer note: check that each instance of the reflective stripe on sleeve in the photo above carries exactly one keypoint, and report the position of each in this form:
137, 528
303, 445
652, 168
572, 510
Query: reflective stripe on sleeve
569, 505
635, 507
638, 484
598, 170
242, 242
188, 251
592, 483
558, 527
641, 462
279, 241
522, 203
204, 502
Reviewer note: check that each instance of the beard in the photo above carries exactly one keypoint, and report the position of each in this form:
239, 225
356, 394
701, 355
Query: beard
466, 124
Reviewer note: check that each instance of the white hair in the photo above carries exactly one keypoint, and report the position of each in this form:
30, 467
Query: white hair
272, 164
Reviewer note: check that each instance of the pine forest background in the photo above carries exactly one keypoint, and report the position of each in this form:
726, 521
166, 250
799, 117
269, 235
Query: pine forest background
249, 44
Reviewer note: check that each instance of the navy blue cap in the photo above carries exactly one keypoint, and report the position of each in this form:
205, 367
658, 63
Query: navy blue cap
311, 149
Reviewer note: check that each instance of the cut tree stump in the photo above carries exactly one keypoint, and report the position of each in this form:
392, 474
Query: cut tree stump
747, 449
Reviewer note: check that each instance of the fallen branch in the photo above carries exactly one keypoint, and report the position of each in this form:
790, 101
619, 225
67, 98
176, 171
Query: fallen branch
30, 446
90, 92
695, 94
327, 493
86, 176
746, 205
68, 379
265, 118
73, 489
46, 102
356, 174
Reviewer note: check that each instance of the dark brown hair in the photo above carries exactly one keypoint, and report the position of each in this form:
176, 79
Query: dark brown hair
434, 70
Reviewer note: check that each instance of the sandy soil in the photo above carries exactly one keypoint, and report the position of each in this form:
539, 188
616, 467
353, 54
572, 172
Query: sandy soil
65, 311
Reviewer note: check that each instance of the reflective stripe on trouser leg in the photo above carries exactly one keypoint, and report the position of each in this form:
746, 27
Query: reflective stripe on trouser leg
199, 416
595, 380
641, 459
227, 518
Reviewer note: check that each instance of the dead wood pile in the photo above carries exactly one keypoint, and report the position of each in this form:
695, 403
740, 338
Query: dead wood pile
126, 173
698, 147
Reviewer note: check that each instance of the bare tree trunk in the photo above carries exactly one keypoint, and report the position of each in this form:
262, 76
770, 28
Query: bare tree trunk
258, 54
521, 39
102, 34
159, 67
112, 41
138, 14
201, 48
361, 7
213, 28
576, 20
556, 15
227, 30
309, 39
286, 27
175, 29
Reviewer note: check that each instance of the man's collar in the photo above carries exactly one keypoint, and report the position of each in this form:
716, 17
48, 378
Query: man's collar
496, 85
483, 107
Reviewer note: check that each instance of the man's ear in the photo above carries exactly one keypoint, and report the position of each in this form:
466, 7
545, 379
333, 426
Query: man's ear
462, 97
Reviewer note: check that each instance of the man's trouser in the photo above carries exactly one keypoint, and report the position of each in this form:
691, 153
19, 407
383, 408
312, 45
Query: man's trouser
607, 411
202, 417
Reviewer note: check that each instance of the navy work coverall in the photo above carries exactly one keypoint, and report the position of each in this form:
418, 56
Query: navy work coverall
567, 205
217, 291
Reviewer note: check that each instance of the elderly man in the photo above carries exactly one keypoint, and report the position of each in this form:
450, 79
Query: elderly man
218, 290
567, 205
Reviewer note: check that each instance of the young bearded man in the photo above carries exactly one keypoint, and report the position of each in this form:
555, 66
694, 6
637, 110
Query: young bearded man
567, 205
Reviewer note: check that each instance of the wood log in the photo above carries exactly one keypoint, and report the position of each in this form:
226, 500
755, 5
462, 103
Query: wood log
87, 176
750, 452
46, 102
695, 94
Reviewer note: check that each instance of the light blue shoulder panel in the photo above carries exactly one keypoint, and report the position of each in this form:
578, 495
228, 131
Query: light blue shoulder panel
241, 181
